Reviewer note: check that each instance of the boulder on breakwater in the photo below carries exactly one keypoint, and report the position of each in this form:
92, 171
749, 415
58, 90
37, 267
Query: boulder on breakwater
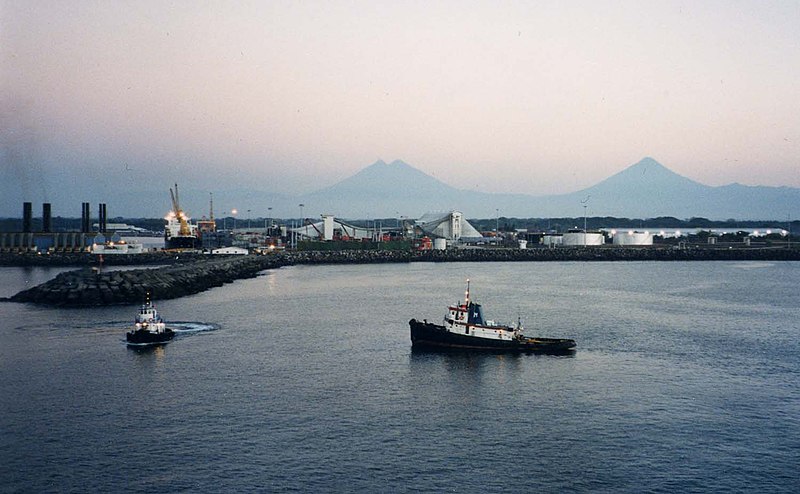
91, 287
190, 274
87, 259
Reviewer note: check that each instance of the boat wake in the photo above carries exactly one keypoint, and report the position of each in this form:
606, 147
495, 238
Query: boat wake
753, 265
188, 327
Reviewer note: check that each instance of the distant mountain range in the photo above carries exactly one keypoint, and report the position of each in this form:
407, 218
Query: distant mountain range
646, 189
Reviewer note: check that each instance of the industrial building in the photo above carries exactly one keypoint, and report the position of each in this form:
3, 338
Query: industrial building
442, 228
331, 228
46, 239
450, 227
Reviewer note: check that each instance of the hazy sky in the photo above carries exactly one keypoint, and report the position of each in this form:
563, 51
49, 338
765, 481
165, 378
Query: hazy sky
531, 97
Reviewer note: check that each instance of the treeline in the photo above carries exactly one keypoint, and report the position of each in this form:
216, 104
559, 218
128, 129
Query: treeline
505, 224
599, 222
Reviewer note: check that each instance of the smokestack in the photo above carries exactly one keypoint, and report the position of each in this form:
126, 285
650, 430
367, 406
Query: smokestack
85, 217
103, 217
47, 218
27, 217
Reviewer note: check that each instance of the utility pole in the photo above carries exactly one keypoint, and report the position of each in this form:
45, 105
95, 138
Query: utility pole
584, 202
497, 226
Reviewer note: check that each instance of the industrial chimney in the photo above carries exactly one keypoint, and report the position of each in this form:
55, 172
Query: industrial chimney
27, 217
103, 220
47, 218
85, 217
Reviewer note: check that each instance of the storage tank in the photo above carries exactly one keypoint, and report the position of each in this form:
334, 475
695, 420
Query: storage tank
439, 244
551, 240
580, 238
633, 238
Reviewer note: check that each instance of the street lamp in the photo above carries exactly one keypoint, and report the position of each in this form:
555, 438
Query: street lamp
302, 221
248, 219
233, 212
269, 228
224, 220
496, 226
584, 218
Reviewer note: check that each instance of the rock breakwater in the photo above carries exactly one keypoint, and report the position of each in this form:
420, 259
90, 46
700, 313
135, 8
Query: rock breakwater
90, 286
189, 274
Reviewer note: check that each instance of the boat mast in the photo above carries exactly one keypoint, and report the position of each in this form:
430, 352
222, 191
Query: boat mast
466, 295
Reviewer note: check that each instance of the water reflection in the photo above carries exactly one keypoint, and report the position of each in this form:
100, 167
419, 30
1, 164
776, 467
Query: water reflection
147, 350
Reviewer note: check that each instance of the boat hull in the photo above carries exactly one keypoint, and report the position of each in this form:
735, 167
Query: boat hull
429, 335
181, 242
144, 337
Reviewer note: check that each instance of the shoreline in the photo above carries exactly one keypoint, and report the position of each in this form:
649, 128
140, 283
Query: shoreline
537, 254
183, 274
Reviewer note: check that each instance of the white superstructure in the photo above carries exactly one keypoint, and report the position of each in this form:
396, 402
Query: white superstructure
148, 319
467, 319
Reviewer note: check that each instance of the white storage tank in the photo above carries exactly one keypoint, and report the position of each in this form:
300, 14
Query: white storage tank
633, 238
439, 244
579, 238
551, 240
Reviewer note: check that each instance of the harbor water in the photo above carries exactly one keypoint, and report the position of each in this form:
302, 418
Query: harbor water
686, 379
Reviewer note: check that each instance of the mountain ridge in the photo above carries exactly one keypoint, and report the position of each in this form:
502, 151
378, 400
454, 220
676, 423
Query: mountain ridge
644, 189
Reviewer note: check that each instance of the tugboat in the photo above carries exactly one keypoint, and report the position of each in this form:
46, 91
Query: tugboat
465, 328
149, 328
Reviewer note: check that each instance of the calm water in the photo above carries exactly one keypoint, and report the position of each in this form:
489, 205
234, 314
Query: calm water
687, 379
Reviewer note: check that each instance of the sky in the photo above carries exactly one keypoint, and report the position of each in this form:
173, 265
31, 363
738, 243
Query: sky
534, 97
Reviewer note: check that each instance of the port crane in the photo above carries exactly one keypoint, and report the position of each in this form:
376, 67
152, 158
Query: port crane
184, 228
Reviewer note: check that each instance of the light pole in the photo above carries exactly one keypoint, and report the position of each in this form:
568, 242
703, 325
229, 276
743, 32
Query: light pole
224, 220
233, 212
297, 237
497, 226
584, 202
248, 219
269, 228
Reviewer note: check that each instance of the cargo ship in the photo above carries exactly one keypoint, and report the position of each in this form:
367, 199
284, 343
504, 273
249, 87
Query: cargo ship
178, 232
465, 327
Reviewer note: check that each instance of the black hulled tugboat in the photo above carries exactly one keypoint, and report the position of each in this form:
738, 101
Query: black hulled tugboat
149, 328
465, 328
